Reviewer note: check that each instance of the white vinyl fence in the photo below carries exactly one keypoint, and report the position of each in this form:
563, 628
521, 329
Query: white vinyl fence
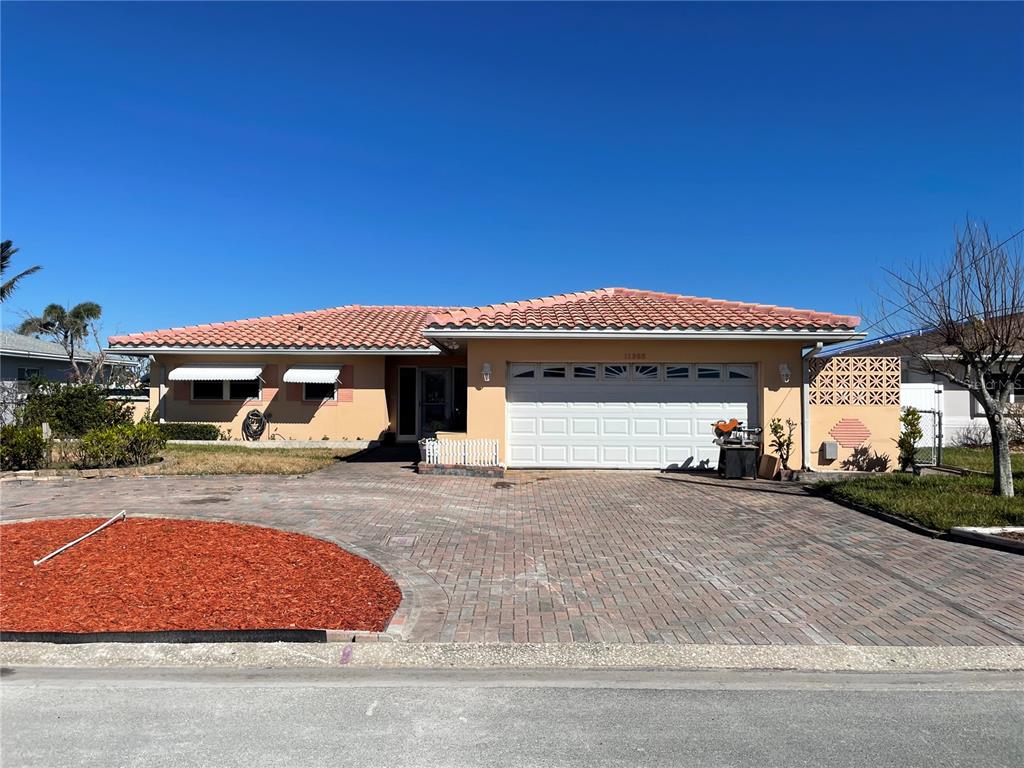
470, 453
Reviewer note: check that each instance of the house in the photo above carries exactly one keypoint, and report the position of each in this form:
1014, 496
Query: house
611, 378
24, 358
922, 387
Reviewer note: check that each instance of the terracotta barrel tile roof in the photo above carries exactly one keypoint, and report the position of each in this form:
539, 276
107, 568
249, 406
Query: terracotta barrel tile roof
357, 327
627, 308
351, 327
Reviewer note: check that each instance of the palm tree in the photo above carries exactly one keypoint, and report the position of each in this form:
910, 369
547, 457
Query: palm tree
7, 250
66, 326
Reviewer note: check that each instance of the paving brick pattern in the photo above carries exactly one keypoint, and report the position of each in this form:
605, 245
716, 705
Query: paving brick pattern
605, 556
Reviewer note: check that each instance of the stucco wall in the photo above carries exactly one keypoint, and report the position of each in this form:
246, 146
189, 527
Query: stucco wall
360, 412
486, 400
877, 453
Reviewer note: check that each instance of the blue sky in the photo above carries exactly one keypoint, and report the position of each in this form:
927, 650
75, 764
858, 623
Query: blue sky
191, 162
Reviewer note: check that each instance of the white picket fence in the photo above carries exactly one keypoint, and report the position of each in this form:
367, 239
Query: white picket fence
469, 453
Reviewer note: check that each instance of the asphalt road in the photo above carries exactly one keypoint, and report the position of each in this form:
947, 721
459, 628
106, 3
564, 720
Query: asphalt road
111, 717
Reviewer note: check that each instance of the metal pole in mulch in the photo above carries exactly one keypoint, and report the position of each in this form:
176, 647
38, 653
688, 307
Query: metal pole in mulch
119, 516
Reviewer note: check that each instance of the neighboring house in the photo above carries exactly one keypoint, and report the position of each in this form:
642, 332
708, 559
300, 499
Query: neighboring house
962, 414
608, 378
23, 358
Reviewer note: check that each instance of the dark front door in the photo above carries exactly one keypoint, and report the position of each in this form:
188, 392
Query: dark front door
435, 400
407, 428
458, 399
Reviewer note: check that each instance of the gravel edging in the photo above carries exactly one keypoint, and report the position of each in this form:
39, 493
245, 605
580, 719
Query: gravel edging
825, 658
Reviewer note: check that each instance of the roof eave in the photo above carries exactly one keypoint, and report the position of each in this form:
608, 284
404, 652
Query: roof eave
154, 349
830, 335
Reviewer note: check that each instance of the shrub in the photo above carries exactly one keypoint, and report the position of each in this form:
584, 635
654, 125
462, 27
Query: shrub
972, 436
1015, 422
187, 431
910, 435
21, 447
71, 410
782, 439
125, 445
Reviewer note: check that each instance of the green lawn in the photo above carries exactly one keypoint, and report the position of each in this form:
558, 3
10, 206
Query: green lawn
940, 502
183, 459
979, 459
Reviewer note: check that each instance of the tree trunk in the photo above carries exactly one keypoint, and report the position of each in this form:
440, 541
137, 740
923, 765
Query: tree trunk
1002, 472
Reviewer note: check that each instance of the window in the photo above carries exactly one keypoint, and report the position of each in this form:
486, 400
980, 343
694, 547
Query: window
645, 372
24, 374
317, 391
521, 371
616, 371
208, 390
677, 371
584, 371
226, 390
244, 390
709, 371
553, 372
1018, 389
741, 372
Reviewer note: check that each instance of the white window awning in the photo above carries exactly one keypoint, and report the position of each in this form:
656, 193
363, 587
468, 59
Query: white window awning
215, 373
311, 374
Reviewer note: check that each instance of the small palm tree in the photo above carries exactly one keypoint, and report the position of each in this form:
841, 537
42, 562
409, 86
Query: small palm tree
68, 327
7, 250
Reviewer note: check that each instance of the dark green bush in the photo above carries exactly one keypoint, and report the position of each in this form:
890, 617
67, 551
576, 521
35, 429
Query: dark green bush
21, 447
188, 431
121, 446
71, 410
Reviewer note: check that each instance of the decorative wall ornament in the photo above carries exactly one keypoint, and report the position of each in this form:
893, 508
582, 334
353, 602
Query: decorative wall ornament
854, 381
850, 433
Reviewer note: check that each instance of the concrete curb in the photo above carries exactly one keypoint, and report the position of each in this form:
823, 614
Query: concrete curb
988, 537
824, 658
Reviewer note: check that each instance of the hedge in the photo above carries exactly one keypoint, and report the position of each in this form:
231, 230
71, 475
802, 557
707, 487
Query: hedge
189, 431
21, 447
123, 446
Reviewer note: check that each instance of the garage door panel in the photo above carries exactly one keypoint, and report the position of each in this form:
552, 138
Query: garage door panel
522, 426
585, 426
554, 455
603, 423
614, 426
615, 455
585, 455
643, 427
554, 426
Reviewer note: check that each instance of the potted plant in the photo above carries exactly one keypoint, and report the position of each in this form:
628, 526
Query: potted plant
782, 444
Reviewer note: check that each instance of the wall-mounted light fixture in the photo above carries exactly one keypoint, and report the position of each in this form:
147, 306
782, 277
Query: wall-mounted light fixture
485, 371
784, 373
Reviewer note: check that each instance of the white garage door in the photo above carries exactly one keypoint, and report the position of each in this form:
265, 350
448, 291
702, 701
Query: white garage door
615, 415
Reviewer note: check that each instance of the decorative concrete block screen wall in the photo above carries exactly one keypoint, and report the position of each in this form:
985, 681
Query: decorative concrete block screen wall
855, 402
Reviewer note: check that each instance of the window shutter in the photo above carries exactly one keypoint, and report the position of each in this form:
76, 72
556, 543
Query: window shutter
181, 390
293, 391
345, 384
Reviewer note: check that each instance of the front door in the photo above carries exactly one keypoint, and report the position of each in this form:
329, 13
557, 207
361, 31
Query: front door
435, 400
408, 428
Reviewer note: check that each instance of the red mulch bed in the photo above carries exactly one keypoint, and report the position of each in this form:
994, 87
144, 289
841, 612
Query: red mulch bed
157, 574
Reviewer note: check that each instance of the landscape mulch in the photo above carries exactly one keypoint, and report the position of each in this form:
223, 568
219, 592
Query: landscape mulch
145, 574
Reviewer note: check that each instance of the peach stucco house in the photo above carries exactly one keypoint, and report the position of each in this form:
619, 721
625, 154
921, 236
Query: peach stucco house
612, 378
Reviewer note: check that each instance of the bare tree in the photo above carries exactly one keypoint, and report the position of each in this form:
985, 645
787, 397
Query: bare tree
970, 308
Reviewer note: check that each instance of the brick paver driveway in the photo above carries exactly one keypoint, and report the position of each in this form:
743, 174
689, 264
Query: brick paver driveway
606, 556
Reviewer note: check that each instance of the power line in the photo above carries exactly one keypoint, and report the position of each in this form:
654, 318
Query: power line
970, 264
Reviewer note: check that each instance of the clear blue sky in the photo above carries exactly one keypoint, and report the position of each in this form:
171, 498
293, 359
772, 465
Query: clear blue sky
190, 162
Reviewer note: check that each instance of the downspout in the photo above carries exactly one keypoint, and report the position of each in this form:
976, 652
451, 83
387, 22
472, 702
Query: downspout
805, 406
161, 403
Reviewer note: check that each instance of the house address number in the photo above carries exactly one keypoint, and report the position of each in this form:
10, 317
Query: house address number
636, 356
